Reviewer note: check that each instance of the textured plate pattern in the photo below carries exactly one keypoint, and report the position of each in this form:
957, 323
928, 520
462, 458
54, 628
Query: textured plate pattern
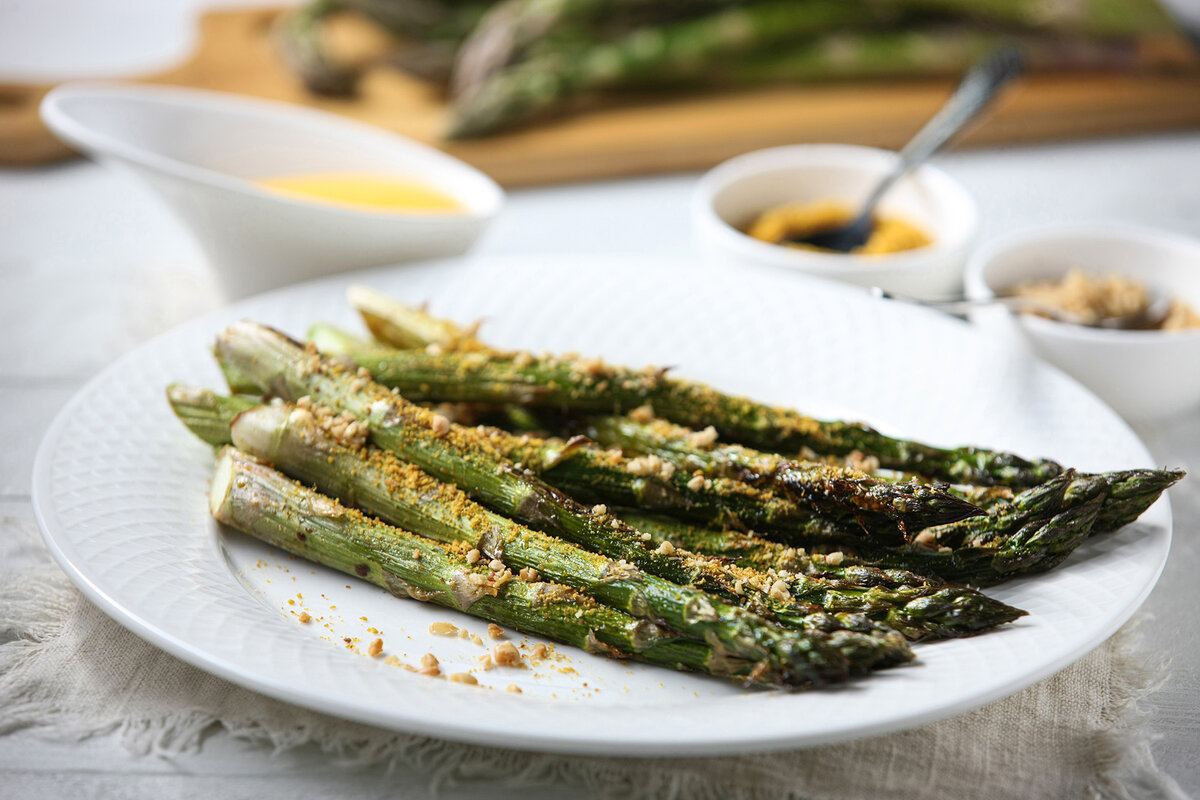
119, 488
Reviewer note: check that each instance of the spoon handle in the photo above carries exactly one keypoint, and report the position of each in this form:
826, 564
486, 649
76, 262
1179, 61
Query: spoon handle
973, 95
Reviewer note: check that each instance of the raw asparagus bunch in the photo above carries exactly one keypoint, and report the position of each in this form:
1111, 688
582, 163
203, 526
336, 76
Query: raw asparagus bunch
509, 62
286, 369
511, 29
528, 57
403, 495
675, 52
257, 500
592, 386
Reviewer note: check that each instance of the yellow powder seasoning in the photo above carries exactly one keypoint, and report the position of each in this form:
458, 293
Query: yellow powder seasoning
795, 221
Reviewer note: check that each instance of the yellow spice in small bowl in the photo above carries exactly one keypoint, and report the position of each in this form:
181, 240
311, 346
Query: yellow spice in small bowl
784, 223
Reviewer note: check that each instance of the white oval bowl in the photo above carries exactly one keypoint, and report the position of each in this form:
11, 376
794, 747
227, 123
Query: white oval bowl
202, 151
1141, 374
732, 194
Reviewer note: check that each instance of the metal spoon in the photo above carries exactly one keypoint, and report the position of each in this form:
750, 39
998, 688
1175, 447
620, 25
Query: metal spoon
970, 98
1150, 316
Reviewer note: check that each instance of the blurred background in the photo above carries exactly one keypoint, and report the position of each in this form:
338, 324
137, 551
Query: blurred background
536, 91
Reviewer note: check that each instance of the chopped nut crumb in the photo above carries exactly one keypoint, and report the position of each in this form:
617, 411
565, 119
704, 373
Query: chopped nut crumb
505, 654
375, 648
476, 639
696, 483
529, 574
485, 662
494, 630
440, 425
779, 591
539, 650
416, 555
463, 677
304, 617
443, 629
703, 439
646, 537
600, 509
835, 557
512, 687
495, 565
473, 555
642, 414
666, 548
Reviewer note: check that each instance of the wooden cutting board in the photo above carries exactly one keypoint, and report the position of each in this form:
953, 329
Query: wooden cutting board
690, 132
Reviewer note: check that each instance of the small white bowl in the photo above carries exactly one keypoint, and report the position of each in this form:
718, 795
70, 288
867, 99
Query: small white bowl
734, 193
201, 151
1141, 374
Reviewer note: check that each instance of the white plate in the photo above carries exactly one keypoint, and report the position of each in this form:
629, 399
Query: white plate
119, 489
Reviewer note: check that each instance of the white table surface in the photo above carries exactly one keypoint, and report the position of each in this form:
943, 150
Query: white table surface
91, 265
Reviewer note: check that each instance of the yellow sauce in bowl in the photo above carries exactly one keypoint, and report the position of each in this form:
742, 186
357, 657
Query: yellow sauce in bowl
364, 191
796, 221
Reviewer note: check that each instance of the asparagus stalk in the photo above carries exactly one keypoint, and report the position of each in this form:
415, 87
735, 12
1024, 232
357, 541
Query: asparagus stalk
286, 369
298, 36
403, 495
257, 500
1091, 18
1029, 536
914, 53
590, 385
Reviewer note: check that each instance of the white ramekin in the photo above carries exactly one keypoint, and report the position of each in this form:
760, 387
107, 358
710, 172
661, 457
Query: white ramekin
732, 194
1141, 374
